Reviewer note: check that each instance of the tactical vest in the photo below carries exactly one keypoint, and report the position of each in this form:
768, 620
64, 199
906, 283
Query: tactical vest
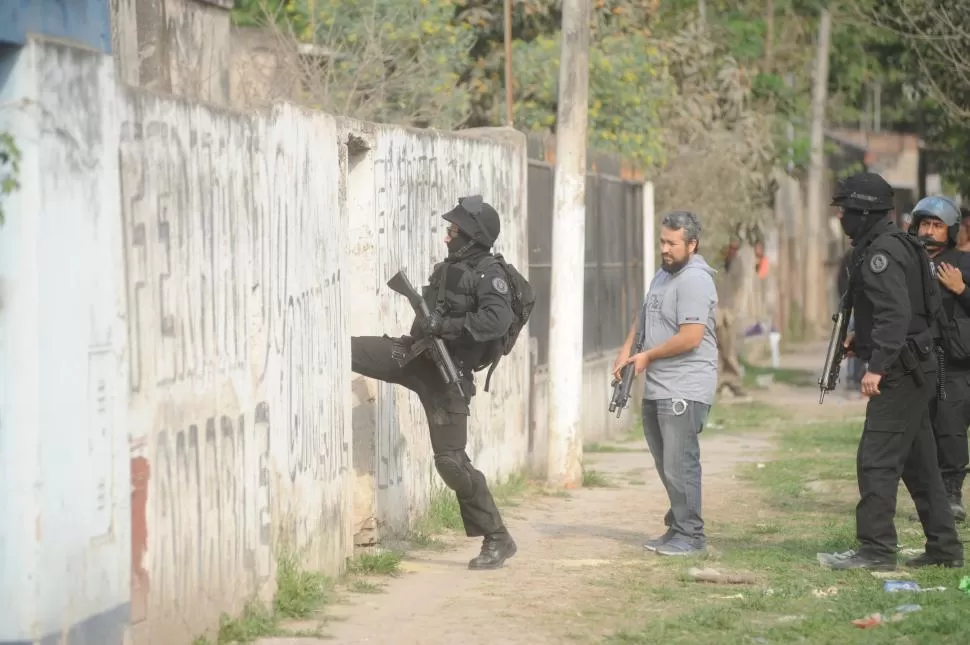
453, 286
921, 287
950, 306
453, 290
956, 323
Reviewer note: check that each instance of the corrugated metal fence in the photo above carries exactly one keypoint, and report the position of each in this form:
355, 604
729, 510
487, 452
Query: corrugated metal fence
614, 257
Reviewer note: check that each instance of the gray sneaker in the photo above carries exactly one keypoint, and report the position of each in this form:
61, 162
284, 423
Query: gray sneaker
681, 546
655, 543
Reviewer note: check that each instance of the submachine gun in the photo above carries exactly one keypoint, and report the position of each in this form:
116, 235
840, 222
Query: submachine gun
399, 283
622, 385
836, 351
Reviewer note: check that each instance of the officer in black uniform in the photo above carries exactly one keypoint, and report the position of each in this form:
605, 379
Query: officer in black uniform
471, 310
896, 299
936, 220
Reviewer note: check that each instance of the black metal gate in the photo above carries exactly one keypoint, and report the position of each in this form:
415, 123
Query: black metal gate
614, 258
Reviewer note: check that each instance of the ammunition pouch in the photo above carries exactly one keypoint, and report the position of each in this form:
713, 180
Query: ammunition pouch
922, 344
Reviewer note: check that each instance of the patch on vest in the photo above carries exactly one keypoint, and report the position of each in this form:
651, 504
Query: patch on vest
878, 263
499, 285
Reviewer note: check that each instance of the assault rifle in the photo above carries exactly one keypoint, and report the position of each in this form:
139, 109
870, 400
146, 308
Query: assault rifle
399, 283
836, 351
622, 385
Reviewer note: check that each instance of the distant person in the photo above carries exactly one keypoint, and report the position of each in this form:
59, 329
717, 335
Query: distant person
677, 325
729, 282
963, 239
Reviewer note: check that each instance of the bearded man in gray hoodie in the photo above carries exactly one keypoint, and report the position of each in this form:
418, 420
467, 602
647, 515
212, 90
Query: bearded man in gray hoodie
677, 327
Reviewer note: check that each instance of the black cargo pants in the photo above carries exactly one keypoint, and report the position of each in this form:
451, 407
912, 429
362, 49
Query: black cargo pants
897, 441
950, 419
447, 415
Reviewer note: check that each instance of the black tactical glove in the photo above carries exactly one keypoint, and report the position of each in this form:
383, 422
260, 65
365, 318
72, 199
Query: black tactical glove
399, 349
438, 325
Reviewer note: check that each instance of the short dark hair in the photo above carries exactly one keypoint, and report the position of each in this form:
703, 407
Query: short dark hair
686, 221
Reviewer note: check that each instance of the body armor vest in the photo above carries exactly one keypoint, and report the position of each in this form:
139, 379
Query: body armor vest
453, 291
920, 320
453, 286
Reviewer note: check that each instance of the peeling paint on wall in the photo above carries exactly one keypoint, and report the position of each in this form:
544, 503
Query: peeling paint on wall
235, 301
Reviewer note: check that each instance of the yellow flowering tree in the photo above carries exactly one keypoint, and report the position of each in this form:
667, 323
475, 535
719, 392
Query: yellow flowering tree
629, 90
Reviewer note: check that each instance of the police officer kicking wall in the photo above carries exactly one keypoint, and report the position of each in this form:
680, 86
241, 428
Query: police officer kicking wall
896, 301
936, 220
468, 295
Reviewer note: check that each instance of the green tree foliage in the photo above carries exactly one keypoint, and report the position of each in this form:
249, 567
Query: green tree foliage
925, 52
379, 60
629, 91
9, 169
720, 139
661, 88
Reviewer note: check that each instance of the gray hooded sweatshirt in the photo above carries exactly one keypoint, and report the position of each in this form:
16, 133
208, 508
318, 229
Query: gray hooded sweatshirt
688, 296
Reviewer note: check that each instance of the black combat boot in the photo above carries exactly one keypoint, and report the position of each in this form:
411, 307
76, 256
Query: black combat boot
954, 495
496, 549
926, 560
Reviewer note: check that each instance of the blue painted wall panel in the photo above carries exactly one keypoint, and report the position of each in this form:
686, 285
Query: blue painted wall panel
87, 22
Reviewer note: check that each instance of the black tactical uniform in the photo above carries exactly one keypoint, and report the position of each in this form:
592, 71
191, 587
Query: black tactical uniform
471, 310
951, 415
895, 299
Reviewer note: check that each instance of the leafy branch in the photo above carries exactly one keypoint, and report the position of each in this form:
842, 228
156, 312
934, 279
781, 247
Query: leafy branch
9, 168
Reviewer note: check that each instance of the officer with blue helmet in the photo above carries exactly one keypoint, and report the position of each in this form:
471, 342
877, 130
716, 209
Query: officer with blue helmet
936, 220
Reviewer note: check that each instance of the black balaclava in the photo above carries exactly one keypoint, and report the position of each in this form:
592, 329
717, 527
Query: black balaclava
459, 245
856, 223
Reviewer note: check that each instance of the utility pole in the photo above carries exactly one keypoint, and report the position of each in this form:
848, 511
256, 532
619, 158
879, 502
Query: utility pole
565, 460
649, 235
508, 63
814, 240
769, 35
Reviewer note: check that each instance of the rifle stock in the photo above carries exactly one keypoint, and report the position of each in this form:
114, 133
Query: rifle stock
623, 385
835, 353
399, 283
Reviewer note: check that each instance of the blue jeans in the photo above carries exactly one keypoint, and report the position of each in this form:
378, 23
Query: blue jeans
671, 428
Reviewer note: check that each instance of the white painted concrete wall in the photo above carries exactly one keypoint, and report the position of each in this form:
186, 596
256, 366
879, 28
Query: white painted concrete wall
179, 285
64, 555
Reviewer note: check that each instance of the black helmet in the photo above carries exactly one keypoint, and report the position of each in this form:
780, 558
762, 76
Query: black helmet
864, 191
943, 209
477, 219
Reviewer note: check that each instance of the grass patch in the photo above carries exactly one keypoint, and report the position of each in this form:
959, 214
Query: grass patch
594, 479
256, 621
512, 490
443, 515
606, 447
300, 594
380, 562
746, 417
791, 522
358, 585
797, 378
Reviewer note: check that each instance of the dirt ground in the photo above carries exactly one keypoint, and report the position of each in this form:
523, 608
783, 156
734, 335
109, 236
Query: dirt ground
564, 583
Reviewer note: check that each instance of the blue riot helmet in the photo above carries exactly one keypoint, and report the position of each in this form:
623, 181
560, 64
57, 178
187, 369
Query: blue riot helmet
941, 208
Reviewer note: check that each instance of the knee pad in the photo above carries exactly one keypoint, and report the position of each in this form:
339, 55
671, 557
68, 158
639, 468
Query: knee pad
454, 470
